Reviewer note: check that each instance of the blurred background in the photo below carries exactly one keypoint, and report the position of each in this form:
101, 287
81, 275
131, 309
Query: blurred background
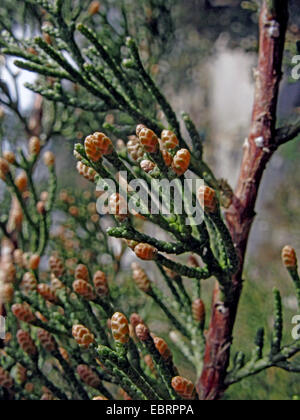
203, 53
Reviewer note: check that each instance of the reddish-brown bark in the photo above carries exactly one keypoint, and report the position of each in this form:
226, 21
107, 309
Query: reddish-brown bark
258, 150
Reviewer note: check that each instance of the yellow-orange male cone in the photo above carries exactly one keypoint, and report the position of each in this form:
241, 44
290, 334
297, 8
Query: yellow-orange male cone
139, 128
184, 388
28, 283
18, 257
135, 149
140, 277
96, 145
181, 162
147, 166
163, 348
208, 199
118, 206
168, 159
56, 284
6, 292
23, 312
120, 328
46, 292
169, 139
146, 252
100, 284
88, 173
34, 146
26, 343
148, 139
9, 156
49, 159
41, 208
47, 340
135, 320
9, 271
4, 169
94, 8
34, 262
21, 181
56, 266
84, 289
88, 376
289, 258
82, 335
198, 309
82, 272
142, 332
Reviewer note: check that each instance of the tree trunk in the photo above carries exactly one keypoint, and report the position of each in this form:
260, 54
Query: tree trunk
258, 150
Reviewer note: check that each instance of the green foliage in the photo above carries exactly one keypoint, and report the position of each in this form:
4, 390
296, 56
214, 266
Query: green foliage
97, 72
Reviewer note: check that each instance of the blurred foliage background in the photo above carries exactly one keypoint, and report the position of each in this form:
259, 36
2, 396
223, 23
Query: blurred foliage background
202, 53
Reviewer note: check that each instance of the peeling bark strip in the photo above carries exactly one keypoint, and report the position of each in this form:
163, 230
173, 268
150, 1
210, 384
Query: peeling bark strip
258, 150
